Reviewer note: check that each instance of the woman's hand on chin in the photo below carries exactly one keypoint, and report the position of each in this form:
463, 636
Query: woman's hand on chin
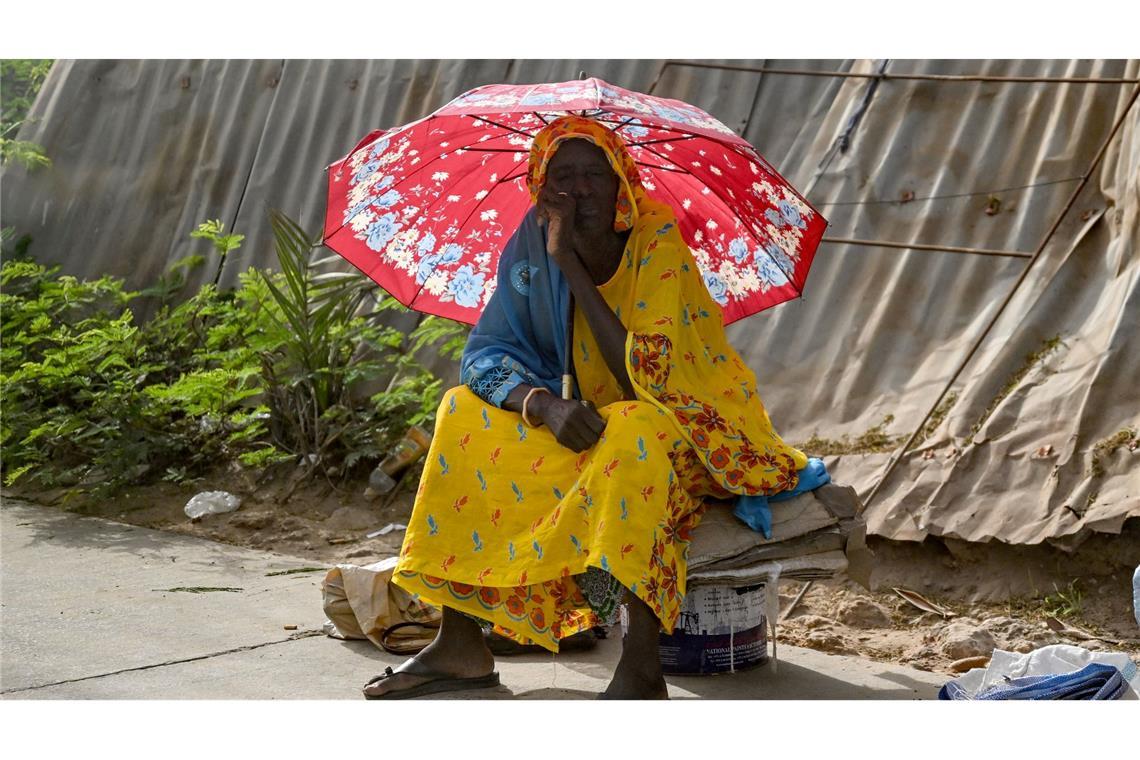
556, 211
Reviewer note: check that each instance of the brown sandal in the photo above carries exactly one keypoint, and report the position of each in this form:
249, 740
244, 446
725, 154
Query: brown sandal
439, 683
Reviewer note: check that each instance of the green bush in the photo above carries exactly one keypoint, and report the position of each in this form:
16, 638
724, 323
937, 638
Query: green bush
20, 80
270, 371
94, 400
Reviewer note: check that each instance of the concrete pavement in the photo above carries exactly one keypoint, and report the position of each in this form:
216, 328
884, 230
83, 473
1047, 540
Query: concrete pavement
91, 609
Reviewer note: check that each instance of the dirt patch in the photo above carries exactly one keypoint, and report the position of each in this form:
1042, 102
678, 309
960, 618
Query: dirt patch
1000, 596
318, 520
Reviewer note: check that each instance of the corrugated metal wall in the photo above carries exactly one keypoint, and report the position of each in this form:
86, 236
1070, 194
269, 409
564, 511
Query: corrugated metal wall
144, 150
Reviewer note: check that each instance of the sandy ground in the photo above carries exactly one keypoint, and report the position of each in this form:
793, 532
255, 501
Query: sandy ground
995, 596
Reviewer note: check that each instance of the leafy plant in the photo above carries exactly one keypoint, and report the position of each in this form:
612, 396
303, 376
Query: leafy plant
94, 401
282, 367
171, 283
213, 231
20, 80
322, 349
1063, 603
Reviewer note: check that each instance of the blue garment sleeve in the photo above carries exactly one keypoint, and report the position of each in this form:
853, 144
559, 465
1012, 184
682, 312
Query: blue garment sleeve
494, 382
518, 338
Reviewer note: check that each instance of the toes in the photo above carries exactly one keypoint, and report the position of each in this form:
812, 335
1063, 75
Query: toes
388, 673
376, 680
391, 681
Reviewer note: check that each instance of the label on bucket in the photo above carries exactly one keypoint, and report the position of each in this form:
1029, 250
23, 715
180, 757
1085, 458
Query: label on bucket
720, 629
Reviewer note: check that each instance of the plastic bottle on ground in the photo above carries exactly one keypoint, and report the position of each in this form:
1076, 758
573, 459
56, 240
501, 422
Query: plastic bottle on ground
411, 447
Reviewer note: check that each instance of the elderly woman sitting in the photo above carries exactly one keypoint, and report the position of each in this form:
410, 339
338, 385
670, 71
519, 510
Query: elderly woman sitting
540, 515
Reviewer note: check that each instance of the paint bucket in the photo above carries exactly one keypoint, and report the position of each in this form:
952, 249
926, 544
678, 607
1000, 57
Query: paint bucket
720, 630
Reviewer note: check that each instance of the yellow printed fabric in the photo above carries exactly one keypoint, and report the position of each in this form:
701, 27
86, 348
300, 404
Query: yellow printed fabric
505, 517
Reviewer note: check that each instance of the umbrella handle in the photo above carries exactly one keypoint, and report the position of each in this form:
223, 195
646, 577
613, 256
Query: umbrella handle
567, 372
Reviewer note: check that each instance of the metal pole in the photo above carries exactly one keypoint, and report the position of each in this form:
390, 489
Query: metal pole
927, 247
657, 79
911, 77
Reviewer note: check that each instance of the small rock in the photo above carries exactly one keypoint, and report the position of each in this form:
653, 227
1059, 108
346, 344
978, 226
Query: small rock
355, 553
814, 622
252, 520
1007, 626
350, 519
825, 641
863, 613
1018, 630
290, 628
964, 638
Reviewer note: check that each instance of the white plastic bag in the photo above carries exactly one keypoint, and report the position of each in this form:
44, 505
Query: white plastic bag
211, 503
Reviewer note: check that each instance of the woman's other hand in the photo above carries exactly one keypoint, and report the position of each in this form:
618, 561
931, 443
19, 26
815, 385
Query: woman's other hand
575, 425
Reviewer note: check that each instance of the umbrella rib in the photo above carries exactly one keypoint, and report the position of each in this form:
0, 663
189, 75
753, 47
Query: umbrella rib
471, 213
495, 150
664, 140
504, 126
662, 168
682, 135
728, 205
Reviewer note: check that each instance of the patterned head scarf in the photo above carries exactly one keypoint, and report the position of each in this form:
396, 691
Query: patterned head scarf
577, 127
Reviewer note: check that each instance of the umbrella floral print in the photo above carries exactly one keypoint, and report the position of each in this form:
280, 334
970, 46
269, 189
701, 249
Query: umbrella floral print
425, 209
382, 218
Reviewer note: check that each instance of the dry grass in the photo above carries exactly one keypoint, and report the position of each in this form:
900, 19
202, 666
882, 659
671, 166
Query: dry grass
874, 440
1108, 446
937, 416
1031, 361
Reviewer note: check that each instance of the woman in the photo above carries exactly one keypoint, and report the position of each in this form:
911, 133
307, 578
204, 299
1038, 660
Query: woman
542, 515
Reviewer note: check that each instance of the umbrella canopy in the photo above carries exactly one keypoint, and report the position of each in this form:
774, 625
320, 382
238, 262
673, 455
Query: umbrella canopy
425, 209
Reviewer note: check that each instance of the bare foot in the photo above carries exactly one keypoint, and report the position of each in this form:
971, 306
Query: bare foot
636, 686
638, 674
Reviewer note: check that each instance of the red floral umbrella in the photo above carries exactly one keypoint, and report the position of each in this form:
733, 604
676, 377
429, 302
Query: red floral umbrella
425, 209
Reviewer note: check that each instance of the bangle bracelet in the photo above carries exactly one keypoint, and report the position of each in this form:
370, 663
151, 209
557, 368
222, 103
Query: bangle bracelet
526, 401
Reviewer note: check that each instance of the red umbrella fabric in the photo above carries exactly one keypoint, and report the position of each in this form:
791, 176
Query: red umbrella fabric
425, 209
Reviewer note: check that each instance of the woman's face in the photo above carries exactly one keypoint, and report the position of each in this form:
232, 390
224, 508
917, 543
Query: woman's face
580, 169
